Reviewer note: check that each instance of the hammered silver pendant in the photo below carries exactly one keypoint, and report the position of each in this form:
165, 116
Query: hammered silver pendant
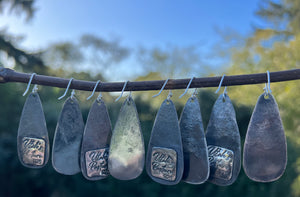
95, 143
67, 139
164, 162
127, 152
265, 149
32, 140
223, 142
196, 164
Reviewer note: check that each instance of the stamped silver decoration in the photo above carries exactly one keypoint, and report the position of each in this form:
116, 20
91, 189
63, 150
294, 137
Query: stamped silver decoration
165, 138
33, 151
95, 143
221, 160
32, 140
265, 150
163, 163
127, 152
67, 139
196, 165
96, 163
223, 140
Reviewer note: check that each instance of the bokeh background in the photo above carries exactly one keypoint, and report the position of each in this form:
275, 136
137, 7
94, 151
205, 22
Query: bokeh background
142, 40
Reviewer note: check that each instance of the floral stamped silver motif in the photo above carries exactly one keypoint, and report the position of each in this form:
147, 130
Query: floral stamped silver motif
96, 162
221, 162
33, 151
163, 163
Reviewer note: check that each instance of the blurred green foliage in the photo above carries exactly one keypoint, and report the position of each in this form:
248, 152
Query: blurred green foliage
274, 48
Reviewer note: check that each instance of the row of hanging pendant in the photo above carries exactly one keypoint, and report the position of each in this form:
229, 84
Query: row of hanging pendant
177, 150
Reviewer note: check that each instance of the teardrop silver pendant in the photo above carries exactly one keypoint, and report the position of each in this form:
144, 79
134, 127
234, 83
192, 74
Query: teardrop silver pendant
196, 164
127, 152
224, 143
32, 140
164, 162
95, 143
265, 150
67, 139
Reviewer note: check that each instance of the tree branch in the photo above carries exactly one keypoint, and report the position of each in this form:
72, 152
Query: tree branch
8, 75
27, 61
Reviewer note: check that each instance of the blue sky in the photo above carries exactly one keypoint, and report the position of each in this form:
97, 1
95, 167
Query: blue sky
150, 24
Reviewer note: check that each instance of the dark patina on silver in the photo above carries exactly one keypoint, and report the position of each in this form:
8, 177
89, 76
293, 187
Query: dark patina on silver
67, 139
223, 138
32, 140
163, 163
265, 150
166, 135
95, 143
127, 152
196, 164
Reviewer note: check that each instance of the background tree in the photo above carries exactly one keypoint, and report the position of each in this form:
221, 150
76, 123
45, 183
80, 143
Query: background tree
274, 48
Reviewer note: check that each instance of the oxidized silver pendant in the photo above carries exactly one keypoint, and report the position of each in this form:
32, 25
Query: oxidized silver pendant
95, 143
33, 141
196, 164
265, 150
224, 143
165, 155
127, 152
67, 139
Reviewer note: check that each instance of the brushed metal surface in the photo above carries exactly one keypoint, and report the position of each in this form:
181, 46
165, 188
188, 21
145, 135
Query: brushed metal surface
223, 138
95, 143
196, 164
166, 134
32, 140
265, 149
127, 151
67, 139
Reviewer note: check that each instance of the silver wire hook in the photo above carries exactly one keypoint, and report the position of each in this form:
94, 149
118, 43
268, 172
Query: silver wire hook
129, 96
99, 97
224, 92
187, 88
169, 95
73, 92
28, 86
125, 84
220, 84
162, 88
195, 93
266, 89
99, 81
269, 83
35, 88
